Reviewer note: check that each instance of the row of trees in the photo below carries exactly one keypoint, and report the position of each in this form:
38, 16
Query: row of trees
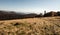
49, 14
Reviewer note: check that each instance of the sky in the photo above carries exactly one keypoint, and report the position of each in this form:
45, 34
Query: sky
30, 6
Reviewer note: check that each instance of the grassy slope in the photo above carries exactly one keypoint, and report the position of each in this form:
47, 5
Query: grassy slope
31, 26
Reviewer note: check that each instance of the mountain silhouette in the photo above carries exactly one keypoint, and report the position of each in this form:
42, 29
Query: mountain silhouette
7, 15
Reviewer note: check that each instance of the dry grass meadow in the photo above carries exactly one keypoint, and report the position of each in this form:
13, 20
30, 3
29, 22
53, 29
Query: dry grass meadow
31, 26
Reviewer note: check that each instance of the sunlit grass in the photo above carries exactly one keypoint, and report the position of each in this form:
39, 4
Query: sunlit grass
39, 26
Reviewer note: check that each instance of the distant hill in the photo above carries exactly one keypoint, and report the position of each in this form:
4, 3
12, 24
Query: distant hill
8, 15
5, 15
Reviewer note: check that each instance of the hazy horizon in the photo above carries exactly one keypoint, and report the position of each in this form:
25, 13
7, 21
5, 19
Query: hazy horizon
30, 6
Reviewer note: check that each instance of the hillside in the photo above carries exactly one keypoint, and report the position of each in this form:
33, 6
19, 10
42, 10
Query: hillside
8, 15
31, 26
